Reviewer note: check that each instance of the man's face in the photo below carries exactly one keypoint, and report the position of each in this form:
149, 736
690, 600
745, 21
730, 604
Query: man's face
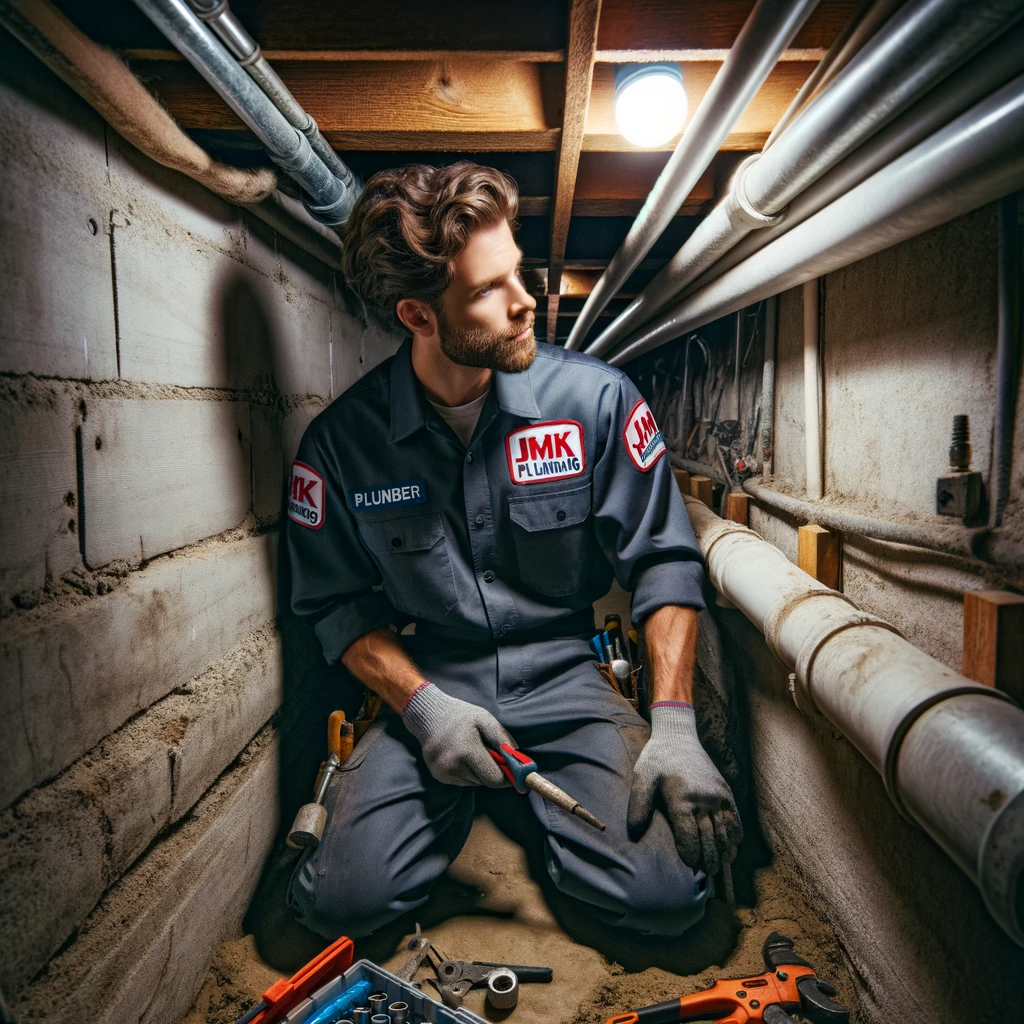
485, 316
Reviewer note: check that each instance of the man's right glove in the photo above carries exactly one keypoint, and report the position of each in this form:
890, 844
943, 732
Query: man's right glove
698, 802
455, 735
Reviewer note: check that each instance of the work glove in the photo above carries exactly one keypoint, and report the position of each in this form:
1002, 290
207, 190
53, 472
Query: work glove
455, 735
698, 802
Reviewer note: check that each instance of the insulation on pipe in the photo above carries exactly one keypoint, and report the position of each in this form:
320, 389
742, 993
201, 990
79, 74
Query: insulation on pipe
329, 199
767, 32
974, 160
918, 47
942, 743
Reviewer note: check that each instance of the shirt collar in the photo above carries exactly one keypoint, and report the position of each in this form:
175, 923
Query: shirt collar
513, 393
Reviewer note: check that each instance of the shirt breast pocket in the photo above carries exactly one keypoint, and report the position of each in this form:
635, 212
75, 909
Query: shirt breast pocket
552, 539
412, 555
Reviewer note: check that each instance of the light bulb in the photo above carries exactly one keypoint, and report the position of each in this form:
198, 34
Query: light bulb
650, 103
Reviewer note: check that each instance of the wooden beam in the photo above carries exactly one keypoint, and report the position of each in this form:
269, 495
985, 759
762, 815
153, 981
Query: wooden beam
540, 206
682, 480
702, 488
993, 651
584, 16
331, 56
737, 507
818, 553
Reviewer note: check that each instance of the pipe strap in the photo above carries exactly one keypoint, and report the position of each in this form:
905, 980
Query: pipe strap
776, 618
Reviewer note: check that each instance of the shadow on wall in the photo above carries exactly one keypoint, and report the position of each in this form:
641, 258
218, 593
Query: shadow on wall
310, 689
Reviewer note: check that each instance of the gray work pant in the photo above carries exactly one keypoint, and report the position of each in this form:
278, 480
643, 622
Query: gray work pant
393, 829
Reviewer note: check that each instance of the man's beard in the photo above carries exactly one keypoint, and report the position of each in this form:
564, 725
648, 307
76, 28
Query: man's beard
479, 347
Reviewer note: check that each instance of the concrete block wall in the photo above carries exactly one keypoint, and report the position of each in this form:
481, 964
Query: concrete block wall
908, 342
161, 354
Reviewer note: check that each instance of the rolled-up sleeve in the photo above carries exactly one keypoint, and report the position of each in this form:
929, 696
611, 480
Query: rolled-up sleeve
640, 518
334, 581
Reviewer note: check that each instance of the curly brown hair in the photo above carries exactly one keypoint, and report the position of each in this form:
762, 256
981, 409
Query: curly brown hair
410, 224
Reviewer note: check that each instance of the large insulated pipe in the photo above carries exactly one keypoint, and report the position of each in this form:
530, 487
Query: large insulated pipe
330, 200
920, 45
950, 751
974, 160
768, 30
979, 77
232, 33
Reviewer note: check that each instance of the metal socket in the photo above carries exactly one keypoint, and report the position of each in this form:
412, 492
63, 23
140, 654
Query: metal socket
380, 1018
378, 1003
502, 989
361, 1015
308, 827
399, 1013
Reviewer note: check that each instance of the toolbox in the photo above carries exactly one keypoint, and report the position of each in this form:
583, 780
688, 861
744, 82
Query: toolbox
297, 999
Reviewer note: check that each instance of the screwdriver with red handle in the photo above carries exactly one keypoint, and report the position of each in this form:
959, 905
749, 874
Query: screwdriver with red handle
522, 772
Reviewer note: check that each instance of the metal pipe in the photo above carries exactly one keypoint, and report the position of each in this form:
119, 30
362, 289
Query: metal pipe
974, 160
942, 743
330, 200
232, 33
768, 30
979, 77
812, 393
766, 441
1007, 346
921, 44
869, 18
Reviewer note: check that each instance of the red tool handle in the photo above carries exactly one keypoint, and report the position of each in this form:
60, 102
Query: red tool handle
287, 993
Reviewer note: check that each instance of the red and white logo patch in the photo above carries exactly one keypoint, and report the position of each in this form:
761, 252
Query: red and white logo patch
642, 437
545, 451
306, 496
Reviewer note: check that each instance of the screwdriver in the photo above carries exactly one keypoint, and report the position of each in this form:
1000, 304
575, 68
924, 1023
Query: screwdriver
522, 772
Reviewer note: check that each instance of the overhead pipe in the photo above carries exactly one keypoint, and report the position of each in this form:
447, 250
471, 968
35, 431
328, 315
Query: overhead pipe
974, 160
232, 33
979, 77
767, 32
921, 44
329, 199
812, 389
867, 20
950, 751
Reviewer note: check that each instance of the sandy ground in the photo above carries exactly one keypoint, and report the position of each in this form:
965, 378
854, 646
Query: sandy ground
490, 907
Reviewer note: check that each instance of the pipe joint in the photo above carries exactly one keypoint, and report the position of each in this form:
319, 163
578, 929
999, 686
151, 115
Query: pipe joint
742, 211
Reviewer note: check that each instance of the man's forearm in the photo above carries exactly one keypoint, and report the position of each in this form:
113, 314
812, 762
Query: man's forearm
670, 636
378, 661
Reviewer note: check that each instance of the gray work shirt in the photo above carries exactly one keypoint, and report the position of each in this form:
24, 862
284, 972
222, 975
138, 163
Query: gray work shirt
564, 483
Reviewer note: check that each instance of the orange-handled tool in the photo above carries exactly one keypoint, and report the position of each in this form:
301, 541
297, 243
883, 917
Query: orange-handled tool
789, 984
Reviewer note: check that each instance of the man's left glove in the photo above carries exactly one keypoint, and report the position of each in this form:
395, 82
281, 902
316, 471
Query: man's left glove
698, 801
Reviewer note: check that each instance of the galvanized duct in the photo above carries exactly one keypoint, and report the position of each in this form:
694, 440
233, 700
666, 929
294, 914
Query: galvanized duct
923, 43
976, 159
951, 752
768, 30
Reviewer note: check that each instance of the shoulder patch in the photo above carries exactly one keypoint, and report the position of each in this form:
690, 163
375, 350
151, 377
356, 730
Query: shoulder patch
306, 496
545, 451
642, 437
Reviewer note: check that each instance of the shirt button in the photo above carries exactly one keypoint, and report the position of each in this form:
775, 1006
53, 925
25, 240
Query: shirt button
488, 576
479, 520
559, 515
469, 456
396, 542
506, 628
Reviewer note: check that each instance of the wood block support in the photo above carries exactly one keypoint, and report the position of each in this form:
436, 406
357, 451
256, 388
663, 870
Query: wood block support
682, 480
994, 640
737, 507
701, 488
818, 553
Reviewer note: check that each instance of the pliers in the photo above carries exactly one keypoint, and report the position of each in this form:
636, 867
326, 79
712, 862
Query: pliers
522, 772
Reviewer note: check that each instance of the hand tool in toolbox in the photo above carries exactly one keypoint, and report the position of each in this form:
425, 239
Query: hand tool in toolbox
456, 977
522, 772
789, 985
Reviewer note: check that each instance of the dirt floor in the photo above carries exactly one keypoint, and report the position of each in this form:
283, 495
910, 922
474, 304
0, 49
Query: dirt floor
490, 907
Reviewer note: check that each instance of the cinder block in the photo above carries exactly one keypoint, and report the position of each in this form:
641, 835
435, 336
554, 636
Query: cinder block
143, 952
158, 475
38, 513
357, 349
267, 460
58, 316
90, 825
72, 681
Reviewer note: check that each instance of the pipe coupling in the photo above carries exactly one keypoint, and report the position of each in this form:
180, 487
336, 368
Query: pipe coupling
740, 204
1001, 869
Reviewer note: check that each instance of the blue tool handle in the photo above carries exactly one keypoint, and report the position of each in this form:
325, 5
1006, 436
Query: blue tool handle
340, 1007
516, 766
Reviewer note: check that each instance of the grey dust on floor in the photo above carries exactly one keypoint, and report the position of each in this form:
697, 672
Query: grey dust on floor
490, 906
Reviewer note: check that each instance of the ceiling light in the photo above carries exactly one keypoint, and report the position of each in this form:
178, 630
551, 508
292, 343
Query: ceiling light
650, 104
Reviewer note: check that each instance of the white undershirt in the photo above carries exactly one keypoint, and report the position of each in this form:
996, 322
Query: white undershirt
462, 418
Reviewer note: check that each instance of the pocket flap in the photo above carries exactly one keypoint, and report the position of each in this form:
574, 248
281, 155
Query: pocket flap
397, 536
535, 512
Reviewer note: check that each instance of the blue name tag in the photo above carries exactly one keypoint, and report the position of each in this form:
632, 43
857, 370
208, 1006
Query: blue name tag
405, 492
